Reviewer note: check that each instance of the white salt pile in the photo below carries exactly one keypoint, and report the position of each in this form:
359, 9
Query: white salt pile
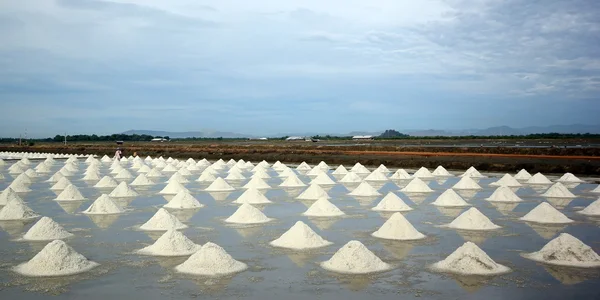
261, 173
466, 183
566, 250
383, 169
42, 168
46, 230
592, 209
123, 190
19, 186
523, 175
539, 178
56, 259
503, 194
154, 173
55, 177
178, 177
106, 159
184, 171
364, 190
162, 221
235, 176
355, 258
141, 180
24, 179
303, 167
450, 198
104, 205
144, 169
360, 169
106, 182
417, 186
313, 192
123, 175
472, 219
220, 185
469, 259
300, 237
323, 179
248, 214
172, 188
376, 176
391, 202
400, 174
31, 173
184, 200
169, 169
70, 193
558, 190
62, 184
292, 181
566, 178
171, 243
206, 177
211, 260
596, 190
423, 173
323, 165
9, 194
287, 172
252, 196
315, 171
397, 227
546, 214
472, 172
323, 208
341, 170
506, 180
441, 172
351, 177
91, 176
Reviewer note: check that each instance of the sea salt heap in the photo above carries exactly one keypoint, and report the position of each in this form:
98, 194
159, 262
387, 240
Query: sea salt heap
360, 169
292, 181
466, 183
472, 219
315, 171
391, 202
397, 227
141, 180
566, 250
173, 188
592, 209
596, 190
184, 171
503, 194
106, 182
303, 167
506, 180
417, 186
55, 177
211, 260
376, 176
287, 172
313, 192
469, 259
252, 196
546, 214
46, 230
56, 259
154, 173
401, 174
472, 172
235, 176
183, 200
441, 172
248, 214
450, 198
70, 193
206, 177
300, 237
219, 185
123, 190
261, 173
19, 186
364, 190
355, 258
104, 205
323, 179
169, 169
258, 183
423, 173
558, 190
91, 176
523, 175
178, 177
323, 208
31, 173
566, 178
341, 170
539, 178
62, 184
383, 169
123, 174
15, 209
171, 243
9, 194
351, 177
162, 221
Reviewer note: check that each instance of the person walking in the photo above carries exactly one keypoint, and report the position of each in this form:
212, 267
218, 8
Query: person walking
118, 154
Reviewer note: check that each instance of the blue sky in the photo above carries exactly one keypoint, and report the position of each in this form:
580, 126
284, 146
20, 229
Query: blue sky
270, 66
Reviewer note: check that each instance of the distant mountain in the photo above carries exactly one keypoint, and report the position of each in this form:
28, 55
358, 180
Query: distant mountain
500, 130
429, 132
189, 134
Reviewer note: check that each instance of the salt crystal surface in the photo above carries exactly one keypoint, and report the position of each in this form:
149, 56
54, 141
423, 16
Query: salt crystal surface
141, 180
323, 208
154, 173
472, 172
569, 178
184, 200
248, 214
252, 196
558, 190
400, 174
173, 188
303, 167
211, 260
423, 173
417, 186
16, 210
171, 243
9, 194
91, 176
546, 214
592, 209
376, 176
123, 174
235, 176
466, 183
596, 190
539, 178
522, 175
503, 194
323, 179
162, 221
292, 181
469, 259
472, 219
450, 198
383, 169
178, 177
351, 177
219, 185
364, 190
397, 227
391, 202
313, 192
123, 190
441, 171
19, 187
104, 205
206, 177
355, 258
106, 182
506, 180
46, 230
341, 170
300, 237
55, 177
566, 250
70, 193
56, 259
62, 184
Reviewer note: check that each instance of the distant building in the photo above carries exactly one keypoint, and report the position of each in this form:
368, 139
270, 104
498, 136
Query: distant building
159, 140
258, 139
362, 137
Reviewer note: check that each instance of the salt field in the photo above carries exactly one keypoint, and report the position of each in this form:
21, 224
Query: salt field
160, 228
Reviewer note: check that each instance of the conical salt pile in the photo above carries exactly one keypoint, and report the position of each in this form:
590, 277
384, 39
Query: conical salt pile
141, 180
169, 169
566, 178
441, 172
91, 176
539, 178
323, 165
206, 177
472, 219
235, 176
31, 173
303, 167
171, 243
376, 176
292, 181
184, 200
42, 168
123, 174
24, 179
184, 171
355, 258
219, 185
383, 169
123, 190
178, 177
261, 173
70, 193
16, 210
351, 177
391, 202
300, 237
341, 170
469, 259
466, 183
566, 250
144, 169
248, 214
546, 214
592, 209
401, 174
323, 208
106, 159
258, 183
104, 205
450, 198
154, 173
506, 180
173, 188
364, 190
523, 175
558, 190
46, 230
323, 179
162, 221
56, 259
313, 192
211, 260
417, 186
252, 196
55, 177
397, 227
19, 186
62, 184
9, 194
315, 171
287, 173
106, 182
423, 173
503, 194
472, 172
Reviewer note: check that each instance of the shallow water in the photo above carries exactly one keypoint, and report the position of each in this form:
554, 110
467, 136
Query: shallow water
278, 273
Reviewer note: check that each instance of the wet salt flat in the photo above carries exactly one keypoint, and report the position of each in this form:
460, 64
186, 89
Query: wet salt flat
274, 273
